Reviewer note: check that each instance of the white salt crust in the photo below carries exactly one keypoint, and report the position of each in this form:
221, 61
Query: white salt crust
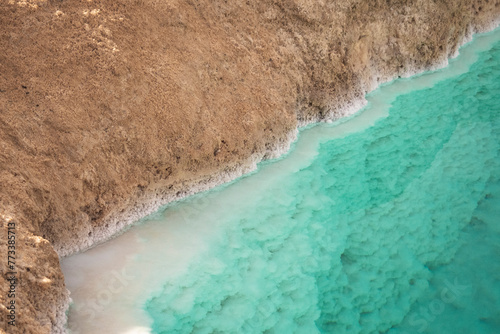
152, 202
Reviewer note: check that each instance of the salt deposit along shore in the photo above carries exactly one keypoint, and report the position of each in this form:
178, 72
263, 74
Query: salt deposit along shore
170, 244
110, 110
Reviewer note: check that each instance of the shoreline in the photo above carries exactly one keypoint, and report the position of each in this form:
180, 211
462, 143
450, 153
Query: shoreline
153, 201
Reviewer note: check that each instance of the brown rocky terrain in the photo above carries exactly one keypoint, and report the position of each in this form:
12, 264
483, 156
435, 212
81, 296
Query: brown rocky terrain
110, 108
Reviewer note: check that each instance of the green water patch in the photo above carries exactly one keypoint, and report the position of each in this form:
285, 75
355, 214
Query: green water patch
388, 222
368, 236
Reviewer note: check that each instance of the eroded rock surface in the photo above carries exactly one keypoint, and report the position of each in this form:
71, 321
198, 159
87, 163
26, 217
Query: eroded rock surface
109, 109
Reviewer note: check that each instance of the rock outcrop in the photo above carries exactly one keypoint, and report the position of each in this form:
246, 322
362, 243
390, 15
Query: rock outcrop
109, 109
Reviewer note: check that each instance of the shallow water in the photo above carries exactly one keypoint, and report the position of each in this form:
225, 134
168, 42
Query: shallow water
388, 222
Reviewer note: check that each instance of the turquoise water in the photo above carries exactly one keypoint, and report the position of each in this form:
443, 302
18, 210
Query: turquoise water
394, 228
365, 235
